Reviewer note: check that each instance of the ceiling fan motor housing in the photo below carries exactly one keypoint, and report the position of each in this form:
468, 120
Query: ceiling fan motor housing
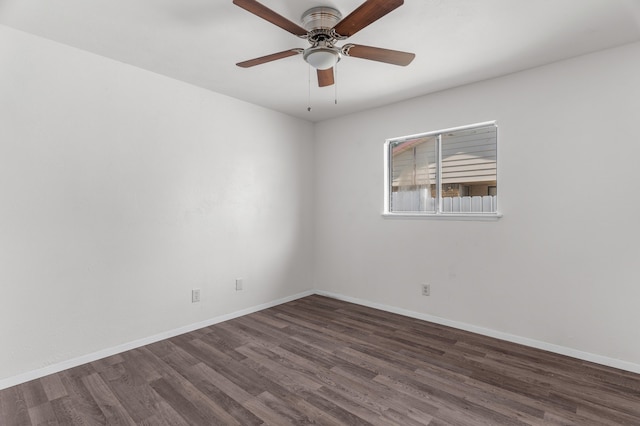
320, 18
319, 22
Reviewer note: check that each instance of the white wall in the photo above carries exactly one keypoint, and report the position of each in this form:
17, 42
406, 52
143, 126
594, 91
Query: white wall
121, 190
565, 274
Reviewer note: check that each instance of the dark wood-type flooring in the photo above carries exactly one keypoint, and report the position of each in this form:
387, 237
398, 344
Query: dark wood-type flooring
322, 361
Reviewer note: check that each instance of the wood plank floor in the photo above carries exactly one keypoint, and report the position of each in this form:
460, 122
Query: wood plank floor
321, 361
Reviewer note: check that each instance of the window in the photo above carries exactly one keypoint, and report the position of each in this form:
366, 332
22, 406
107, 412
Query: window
450, 172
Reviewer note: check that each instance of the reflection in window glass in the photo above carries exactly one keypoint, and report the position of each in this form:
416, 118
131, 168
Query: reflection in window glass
449, 172
414, 175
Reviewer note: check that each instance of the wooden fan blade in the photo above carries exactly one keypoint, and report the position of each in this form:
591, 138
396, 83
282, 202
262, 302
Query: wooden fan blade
325, 77
267, 14
367, 13
394, 57
269, 58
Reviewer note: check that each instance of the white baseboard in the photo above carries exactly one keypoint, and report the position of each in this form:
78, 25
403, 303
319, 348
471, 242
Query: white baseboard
64, 365
562, 350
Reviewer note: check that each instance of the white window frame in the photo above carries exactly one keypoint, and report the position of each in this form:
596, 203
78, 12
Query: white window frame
439, 214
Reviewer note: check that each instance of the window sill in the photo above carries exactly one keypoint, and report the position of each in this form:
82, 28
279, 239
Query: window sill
444, 216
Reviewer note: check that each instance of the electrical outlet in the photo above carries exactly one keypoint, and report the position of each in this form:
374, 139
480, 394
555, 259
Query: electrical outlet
195, 295
426, 289
239, 284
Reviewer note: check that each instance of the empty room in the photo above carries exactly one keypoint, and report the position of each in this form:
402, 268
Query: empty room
335, 212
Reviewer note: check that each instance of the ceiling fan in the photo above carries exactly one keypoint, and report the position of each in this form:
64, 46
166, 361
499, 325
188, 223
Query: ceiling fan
323, 27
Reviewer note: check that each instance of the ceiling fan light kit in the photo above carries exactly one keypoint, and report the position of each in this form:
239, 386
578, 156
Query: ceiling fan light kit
323, 27
322, 58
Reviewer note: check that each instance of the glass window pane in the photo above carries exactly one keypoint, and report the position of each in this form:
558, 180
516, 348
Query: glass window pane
469, 178
413, 175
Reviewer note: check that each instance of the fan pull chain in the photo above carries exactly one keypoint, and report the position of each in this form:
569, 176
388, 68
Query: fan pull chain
335, 88
309, 98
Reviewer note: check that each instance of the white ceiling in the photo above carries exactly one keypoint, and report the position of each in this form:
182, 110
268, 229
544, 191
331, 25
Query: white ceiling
455, 41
